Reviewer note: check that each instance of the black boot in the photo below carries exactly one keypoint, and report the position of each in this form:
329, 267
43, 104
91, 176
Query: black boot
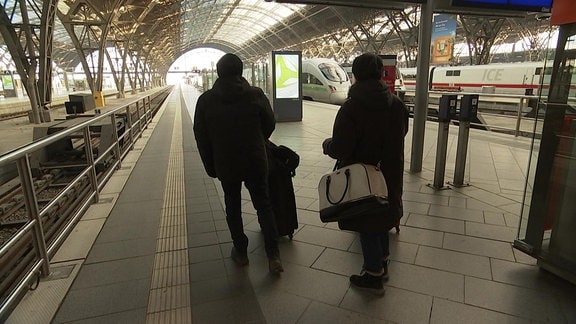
368, 282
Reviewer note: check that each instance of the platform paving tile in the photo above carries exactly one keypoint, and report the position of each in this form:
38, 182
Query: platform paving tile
415, 207
207, 270
112, 233
202, 239
420, 236
457, 262
532, 277
400, 251
492, 232
242, 308
435, 223
121, 250
130, 213
132, 316
322, 313
338, 261
490, 198
494, 218
296, 252
512, 220
314, 284
103, 300
309, 217
325, 237
449, 312
425, 198
478, 246
475, 204
513, 208
112, 272
397, 305
513, 300
279, 306
456, 213
426, 281
79, 242
524, 258
457, 202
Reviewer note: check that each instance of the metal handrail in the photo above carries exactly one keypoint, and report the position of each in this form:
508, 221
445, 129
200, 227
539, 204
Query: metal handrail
21, 157
521, 101
23, 150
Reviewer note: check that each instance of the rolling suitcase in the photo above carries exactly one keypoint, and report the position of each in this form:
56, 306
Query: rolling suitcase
282, 163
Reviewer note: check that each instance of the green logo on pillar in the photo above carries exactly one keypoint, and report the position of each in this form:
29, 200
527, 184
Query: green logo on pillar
287, 75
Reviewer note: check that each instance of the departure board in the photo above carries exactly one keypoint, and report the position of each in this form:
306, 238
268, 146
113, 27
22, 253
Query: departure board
518, 5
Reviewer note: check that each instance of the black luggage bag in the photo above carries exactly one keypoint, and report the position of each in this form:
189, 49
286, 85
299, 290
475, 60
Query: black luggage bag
282, 163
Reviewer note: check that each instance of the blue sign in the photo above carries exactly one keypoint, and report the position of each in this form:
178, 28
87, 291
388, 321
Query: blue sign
518, 5
443, 36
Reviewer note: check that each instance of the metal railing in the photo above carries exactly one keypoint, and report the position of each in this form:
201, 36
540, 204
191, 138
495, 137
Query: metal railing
136, 113
507, 108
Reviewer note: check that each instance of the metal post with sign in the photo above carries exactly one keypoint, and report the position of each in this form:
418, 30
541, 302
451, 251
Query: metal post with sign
446, 111
468, 112
286, 85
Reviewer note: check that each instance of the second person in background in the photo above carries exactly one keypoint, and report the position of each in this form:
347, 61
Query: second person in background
370, 128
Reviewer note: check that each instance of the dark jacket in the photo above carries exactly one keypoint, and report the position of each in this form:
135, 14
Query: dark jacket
231, 124
370, 127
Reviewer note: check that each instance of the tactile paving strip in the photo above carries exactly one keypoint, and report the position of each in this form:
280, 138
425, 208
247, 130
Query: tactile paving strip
169, 300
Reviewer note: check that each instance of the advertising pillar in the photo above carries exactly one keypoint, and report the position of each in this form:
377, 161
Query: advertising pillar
286, 86
8, 84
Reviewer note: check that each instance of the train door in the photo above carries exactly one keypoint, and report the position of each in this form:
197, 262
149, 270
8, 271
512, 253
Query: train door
431, 79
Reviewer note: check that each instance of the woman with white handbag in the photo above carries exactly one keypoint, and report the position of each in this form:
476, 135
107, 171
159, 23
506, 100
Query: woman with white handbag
369, 129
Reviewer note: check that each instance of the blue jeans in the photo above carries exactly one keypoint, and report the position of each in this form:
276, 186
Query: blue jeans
258, 189
376, 249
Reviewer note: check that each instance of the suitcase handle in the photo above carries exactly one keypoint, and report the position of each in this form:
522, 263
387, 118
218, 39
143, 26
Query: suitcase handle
347, 173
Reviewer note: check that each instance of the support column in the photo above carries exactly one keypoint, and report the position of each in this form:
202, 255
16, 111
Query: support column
421, 99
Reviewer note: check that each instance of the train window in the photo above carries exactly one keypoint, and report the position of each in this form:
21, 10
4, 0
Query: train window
314, 80
305, 78
547, 71
457, 73
333, 72
449, 73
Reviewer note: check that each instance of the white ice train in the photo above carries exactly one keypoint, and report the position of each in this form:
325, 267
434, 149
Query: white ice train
505, 78
324, 80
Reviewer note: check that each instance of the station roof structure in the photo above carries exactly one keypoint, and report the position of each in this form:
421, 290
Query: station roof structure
160, 31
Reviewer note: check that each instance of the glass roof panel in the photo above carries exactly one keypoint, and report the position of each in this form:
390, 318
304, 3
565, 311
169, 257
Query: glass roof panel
250, 18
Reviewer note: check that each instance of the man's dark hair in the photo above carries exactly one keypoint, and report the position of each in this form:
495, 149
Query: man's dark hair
229, 65
367, 66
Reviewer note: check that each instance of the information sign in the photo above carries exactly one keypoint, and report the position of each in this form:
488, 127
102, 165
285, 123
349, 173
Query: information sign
517, 5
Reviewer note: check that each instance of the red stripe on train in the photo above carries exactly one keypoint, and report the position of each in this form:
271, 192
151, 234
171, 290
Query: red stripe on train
480, 85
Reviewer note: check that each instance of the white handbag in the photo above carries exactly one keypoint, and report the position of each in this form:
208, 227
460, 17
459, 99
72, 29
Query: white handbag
352, 191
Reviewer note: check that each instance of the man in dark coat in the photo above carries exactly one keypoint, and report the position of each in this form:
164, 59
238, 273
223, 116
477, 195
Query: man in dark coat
231, 124
370, 128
